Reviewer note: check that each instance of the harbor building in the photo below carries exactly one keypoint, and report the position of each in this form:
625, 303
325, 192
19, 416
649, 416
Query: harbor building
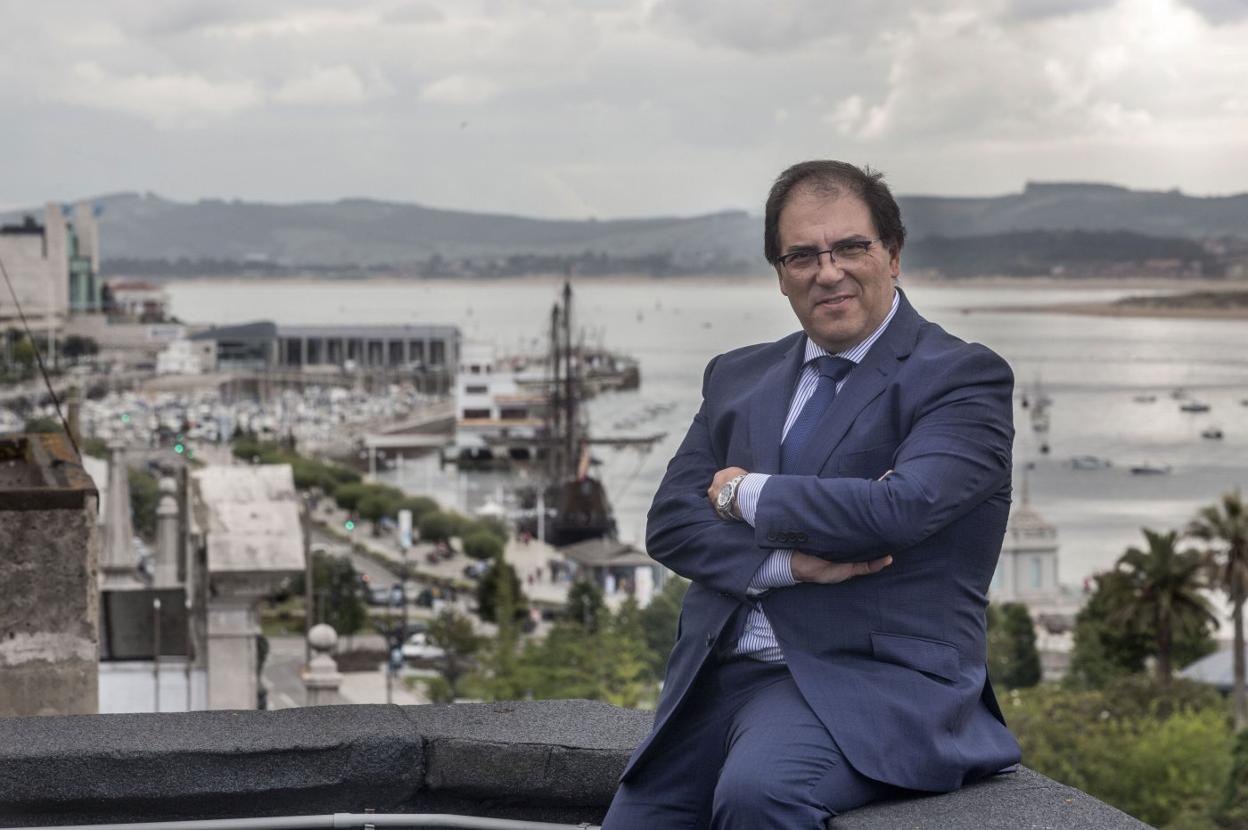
432, 349
54, 265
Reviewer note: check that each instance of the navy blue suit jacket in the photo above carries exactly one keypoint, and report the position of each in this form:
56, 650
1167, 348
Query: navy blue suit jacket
893, 664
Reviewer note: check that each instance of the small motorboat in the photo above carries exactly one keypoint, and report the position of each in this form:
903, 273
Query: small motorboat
1212, 433
1090, 462
1147, 469
1195, 406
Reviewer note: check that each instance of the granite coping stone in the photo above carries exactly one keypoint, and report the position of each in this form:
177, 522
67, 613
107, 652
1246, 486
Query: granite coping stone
536, 760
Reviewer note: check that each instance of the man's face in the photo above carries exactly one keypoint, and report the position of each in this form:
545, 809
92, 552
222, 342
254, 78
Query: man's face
842, 303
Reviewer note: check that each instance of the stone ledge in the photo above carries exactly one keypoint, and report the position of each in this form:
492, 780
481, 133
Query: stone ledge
537, 760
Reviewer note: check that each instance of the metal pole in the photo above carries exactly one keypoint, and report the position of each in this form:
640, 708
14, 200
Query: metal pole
341, 820
307, 582
156, 654
541, 513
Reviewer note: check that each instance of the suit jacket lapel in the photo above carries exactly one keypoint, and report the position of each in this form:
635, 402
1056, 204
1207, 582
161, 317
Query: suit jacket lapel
769, 404
867, 380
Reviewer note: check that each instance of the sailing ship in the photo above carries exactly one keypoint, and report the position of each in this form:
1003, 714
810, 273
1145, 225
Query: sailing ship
570, 505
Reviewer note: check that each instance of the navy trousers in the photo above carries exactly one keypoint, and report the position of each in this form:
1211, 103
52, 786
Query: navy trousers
745, 751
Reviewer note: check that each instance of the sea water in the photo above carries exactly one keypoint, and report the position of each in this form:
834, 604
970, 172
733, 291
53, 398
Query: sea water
1091, 367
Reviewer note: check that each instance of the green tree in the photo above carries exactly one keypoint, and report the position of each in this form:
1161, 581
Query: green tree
374, 506
489, 589
490, 524
335, 591
435, 527
419, 505
75, 347
585, 606
1013, 661
348, 495
1164, 594
24, 355
1232, 811
144, 498
503, 677
482, 544
453, 633
660, 620
1106, 647
1224, 527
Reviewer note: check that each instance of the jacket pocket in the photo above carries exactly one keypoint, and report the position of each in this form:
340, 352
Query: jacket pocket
928, 656
872, 462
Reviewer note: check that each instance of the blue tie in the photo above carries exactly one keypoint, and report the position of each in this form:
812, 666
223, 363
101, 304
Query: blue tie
831, 371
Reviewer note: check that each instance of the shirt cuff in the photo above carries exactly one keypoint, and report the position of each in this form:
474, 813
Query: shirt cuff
775, 572
748, 491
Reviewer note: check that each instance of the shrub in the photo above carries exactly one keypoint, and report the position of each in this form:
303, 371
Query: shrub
347, 496
436, 527
482, 544
419, 505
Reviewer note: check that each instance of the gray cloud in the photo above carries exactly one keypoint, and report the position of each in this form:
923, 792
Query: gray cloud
1221, 11
614, 107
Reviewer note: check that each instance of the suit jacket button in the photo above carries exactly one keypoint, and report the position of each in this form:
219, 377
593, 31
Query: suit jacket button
771, 537
801, 537
788, 537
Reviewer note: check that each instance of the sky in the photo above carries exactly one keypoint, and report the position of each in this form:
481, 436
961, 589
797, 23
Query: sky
613, 108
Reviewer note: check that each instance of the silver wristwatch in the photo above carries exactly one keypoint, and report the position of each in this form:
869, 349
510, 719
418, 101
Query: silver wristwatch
727, 497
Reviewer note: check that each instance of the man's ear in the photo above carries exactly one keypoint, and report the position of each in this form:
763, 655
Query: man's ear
780, 278
894, 262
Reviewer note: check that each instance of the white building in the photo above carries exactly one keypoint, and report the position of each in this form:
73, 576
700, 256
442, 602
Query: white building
500, 410
186, 357
54, 266
1027, 570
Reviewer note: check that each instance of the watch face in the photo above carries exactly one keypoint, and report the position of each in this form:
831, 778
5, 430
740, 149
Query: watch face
725, 497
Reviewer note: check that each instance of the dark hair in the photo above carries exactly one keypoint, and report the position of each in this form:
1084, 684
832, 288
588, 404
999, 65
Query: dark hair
828, 177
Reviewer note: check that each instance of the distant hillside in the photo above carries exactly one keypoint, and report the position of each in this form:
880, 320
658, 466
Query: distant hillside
144, 233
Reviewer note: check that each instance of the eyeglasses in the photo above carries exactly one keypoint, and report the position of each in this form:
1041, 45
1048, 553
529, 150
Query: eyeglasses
806, 263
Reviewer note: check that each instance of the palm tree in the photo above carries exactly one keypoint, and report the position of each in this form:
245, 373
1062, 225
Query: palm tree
1225, 527
1163, 592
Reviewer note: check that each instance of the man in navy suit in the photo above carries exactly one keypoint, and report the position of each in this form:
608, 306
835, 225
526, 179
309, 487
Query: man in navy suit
831, 648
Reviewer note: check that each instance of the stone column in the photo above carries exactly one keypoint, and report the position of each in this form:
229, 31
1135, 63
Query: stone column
322, 678
233, 626
117, 564
165, 570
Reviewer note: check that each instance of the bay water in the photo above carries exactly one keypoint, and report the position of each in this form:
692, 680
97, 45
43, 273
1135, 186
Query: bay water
1092, 367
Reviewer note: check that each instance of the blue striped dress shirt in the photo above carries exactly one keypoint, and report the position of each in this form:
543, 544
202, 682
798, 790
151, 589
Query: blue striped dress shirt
758, 641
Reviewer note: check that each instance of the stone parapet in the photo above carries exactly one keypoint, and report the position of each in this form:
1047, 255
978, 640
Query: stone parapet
537, 760
49, 605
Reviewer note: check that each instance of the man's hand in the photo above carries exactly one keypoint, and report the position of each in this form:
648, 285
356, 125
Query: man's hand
721, 478
807, 568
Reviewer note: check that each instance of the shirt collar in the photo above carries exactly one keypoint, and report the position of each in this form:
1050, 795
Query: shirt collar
856, 353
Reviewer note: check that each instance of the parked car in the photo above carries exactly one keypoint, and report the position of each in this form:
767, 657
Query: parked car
418, 647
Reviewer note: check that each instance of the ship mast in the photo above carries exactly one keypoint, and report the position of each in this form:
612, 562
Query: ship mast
571, 394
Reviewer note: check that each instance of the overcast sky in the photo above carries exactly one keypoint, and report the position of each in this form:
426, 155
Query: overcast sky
613, 108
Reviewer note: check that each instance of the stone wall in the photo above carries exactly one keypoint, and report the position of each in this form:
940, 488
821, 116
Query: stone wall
539, 760
49, 653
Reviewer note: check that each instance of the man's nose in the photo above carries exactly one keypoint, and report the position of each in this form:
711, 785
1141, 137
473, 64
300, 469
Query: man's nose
829, 269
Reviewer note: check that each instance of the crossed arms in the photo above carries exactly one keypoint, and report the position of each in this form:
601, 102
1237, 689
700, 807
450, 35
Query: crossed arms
955, 454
